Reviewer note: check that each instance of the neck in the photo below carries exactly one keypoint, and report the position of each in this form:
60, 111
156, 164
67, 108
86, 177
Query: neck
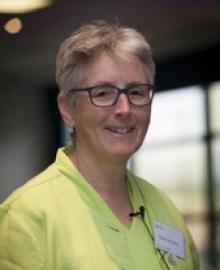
108, 179
103, 175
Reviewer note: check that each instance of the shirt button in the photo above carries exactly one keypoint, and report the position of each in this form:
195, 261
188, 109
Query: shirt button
172, 259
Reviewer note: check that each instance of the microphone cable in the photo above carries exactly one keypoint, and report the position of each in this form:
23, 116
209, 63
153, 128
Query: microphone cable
141, 213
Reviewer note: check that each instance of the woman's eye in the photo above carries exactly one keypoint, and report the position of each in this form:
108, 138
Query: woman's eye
136, 92
101, 93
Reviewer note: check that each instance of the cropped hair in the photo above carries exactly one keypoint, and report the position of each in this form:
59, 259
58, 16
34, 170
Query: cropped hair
89, 41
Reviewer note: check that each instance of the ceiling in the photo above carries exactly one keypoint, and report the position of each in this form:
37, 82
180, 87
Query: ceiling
173, 28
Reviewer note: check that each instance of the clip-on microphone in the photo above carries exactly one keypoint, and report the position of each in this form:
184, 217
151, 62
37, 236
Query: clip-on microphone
141, 212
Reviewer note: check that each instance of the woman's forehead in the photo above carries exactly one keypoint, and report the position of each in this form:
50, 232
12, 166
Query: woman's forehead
108, 66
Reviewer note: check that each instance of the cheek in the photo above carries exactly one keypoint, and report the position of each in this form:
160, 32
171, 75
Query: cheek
88, 117
145, 117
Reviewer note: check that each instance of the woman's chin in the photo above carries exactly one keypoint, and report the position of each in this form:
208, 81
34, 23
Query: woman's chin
122, 153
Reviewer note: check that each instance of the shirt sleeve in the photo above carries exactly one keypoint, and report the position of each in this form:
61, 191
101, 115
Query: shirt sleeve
21, 238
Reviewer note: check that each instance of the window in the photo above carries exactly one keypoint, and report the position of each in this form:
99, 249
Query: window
174, 155
214, 104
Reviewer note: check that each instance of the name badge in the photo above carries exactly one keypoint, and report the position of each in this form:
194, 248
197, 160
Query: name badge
169, 239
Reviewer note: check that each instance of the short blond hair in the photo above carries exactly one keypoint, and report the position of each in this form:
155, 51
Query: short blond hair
90, 40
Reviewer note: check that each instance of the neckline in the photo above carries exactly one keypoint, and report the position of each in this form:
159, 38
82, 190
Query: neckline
91, 197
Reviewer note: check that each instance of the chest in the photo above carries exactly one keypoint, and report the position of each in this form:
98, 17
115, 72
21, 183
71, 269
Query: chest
85, 240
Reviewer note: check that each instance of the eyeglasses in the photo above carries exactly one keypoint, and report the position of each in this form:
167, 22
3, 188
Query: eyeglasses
107, 95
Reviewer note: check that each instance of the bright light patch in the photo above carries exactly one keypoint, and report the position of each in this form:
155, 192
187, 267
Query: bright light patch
22, 6
177, 115
214, 99
13, 26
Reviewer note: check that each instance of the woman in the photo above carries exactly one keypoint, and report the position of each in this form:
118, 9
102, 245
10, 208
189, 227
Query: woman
87, 211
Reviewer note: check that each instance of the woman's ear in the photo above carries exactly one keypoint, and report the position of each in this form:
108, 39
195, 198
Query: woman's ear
65, 110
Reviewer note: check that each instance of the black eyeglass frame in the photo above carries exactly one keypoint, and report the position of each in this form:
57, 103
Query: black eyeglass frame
120, 91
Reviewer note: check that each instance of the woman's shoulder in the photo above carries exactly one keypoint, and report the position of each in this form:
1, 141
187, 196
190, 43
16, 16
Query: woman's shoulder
34, 192
148, 189
157, 198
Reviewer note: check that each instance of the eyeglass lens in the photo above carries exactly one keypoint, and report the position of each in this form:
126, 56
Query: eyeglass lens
139, 95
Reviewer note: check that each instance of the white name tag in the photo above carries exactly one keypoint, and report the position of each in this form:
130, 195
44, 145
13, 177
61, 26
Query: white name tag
169, 239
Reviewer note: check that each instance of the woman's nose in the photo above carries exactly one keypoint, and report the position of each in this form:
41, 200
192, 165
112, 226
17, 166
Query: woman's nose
123, 105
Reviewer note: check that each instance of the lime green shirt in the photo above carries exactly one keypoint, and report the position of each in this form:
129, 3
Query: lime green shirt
57, 221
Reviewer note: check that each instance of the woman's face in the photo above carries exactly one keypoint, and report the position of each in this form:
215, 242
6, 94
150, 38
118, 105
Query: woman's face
110, 133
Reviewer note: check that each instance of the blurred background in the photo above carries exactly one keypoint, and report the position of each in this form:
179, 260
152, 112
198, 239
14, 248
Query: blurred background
181, 153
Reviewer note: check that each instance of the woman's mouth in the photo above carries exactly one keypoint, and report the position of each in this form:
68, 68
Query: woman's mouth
120, 130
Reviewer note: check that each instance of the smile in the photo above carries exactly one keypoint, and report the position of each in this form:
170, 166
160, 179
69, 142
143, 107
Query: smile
120, 130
